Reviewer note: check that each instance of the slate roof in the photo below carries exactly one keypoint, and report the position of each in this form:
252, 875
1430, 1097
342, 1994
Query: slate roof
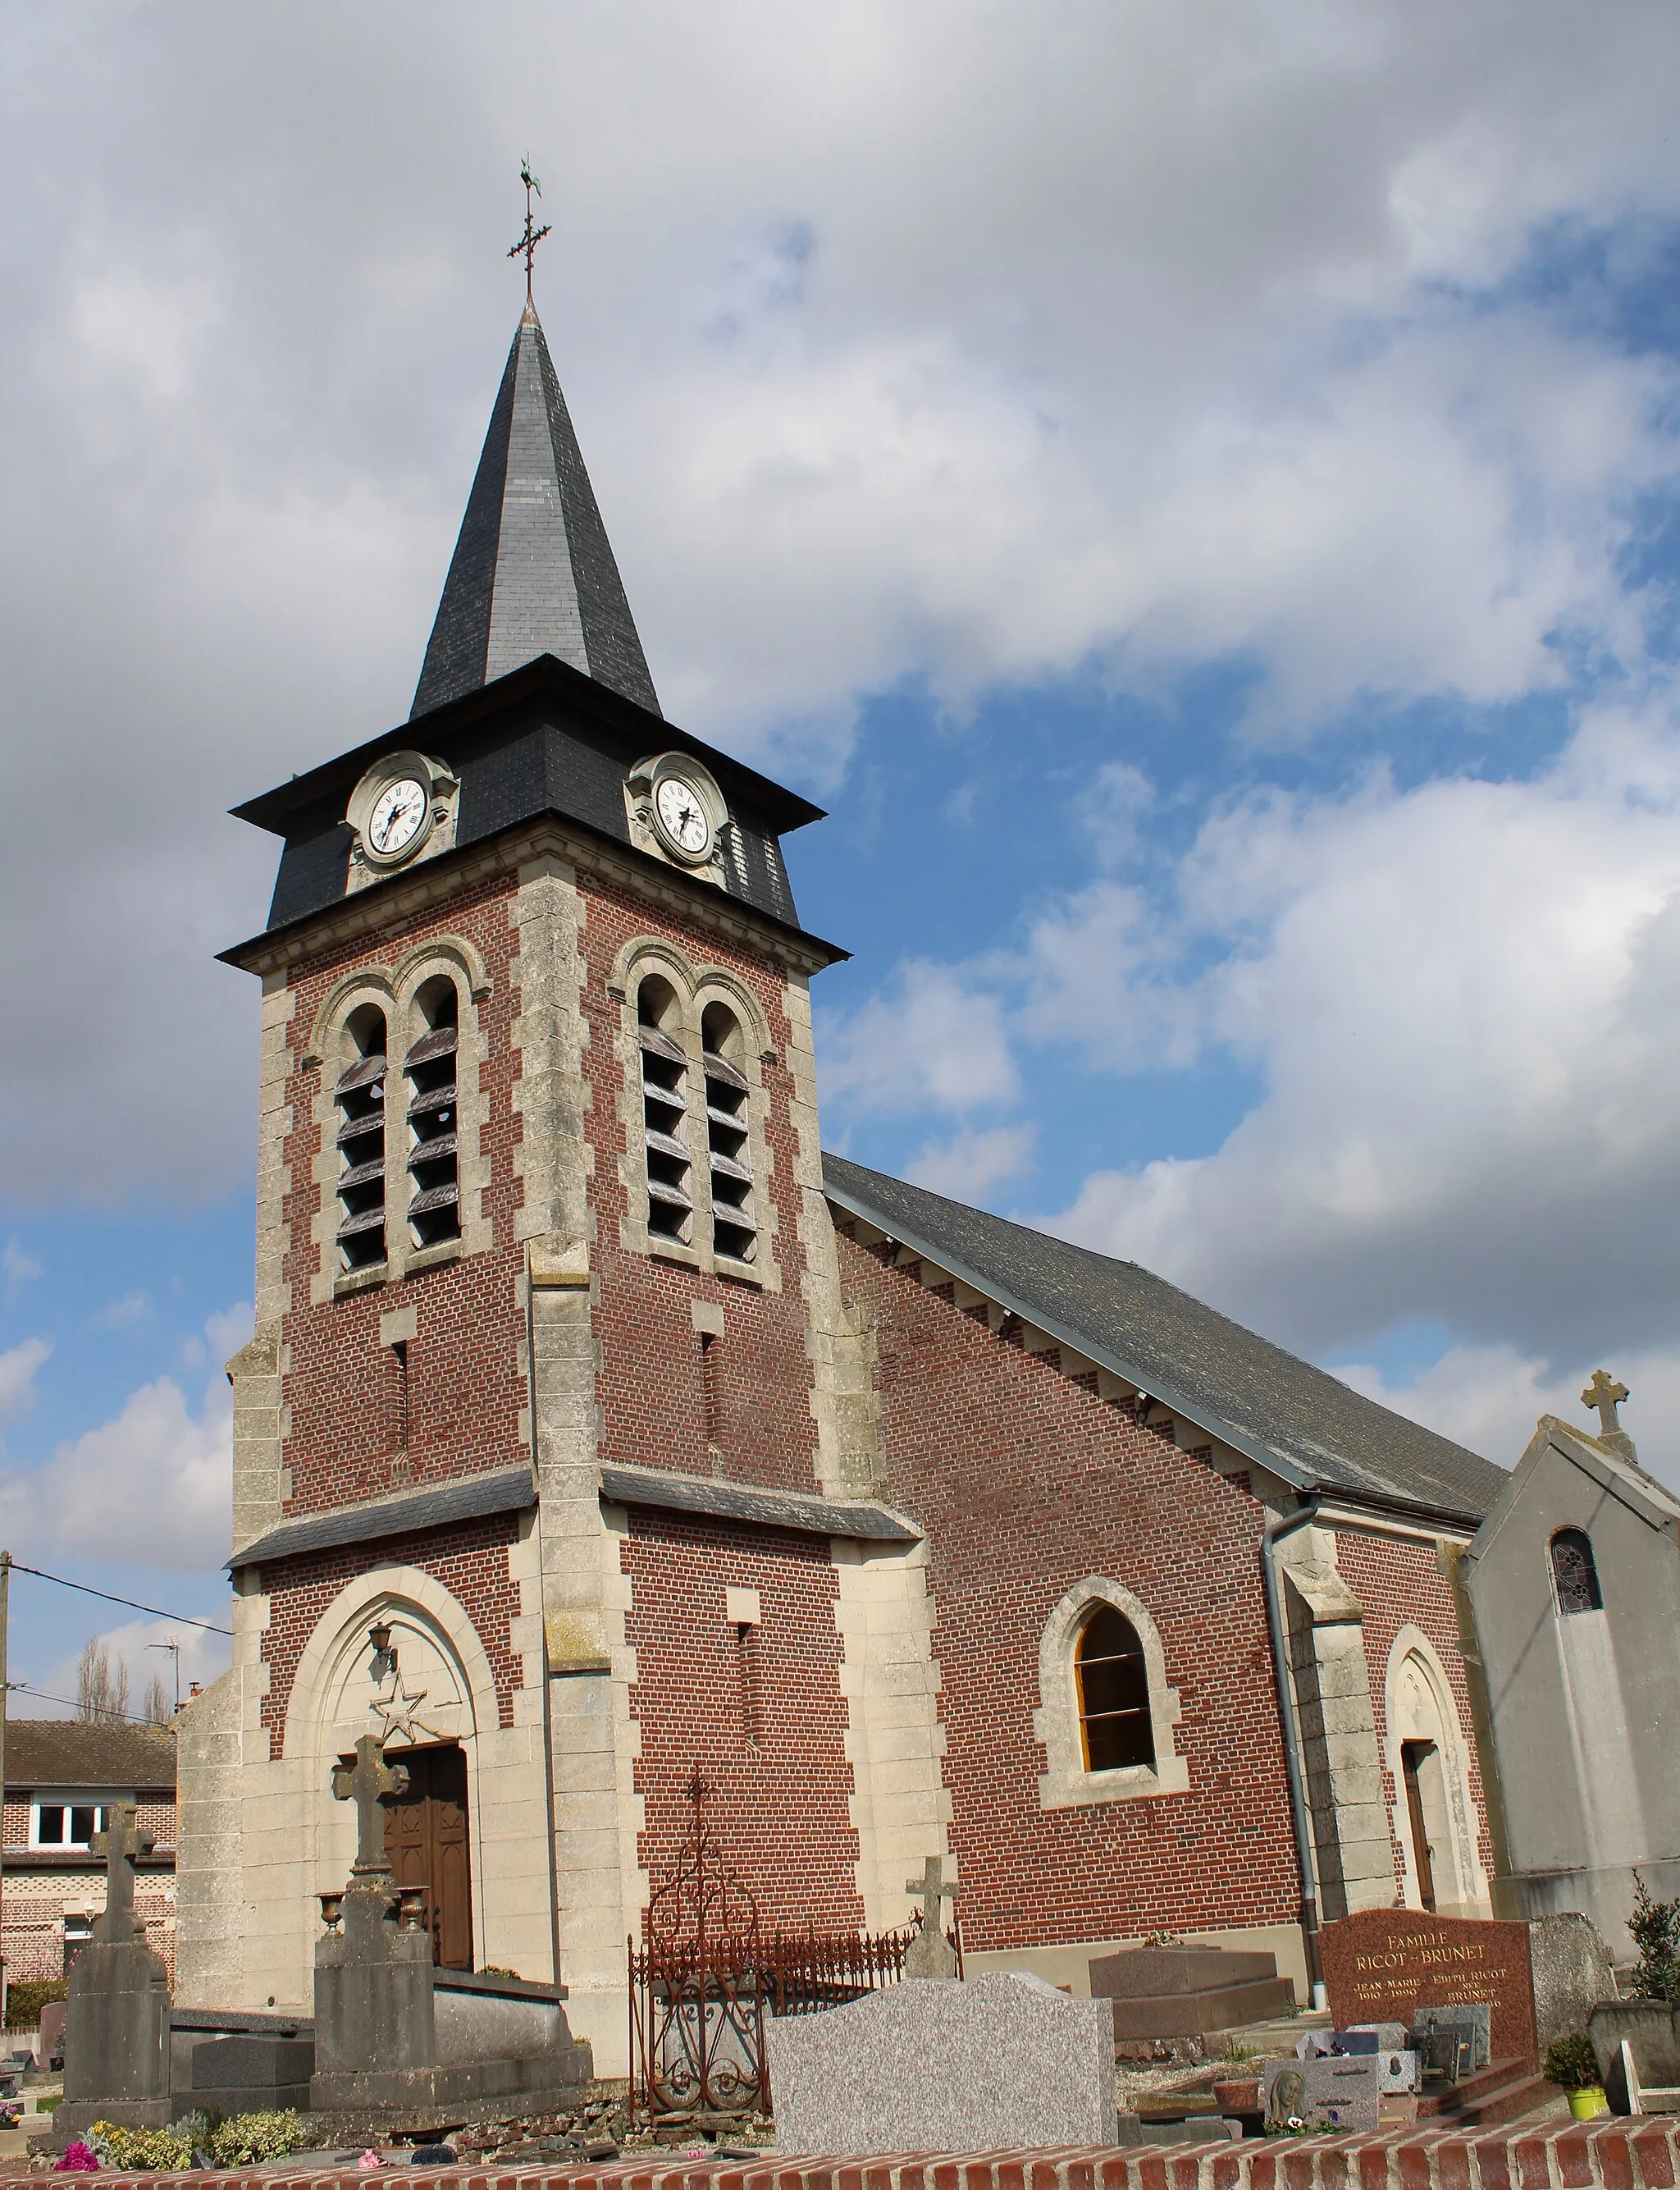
68, 1753
1306, 1425
533, 570
861, 1519
498, 1490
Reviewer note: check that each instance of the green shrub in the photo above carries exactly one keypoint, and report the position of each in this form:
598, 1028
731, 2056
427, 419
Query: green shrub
1655, 1926
1571, 2062
26, 1997
247, 2140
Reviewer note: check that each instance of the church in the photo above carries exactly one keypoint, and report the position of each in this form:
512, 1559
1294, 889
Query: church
597, 1427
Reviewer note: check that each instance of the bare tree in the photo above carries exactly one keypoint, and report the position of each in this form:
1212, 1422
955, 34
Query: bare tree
102, 1698
159, 1708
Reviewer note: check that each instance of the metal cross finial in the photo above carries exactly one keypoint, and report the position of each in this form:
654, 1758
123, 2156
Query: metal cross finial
122, 1847
363, 1783
1604, 1395
526, 244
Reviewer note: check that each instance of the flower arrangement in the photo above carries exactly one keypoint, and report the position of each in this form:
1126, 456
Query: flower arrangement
79, 2158
1570, 2063
195, 2140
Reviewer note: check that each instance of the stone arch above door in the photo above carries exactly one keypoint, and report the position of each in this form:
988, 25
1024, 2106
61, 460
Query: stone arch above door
1419, 1708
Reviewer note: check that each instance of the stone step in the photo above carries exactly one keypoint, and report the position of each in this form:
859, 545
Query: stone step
1503, 2091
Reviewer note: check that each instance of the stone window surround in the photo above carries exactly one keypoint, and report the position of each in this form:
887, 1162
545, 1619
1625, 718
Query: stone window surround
1066, 1784
695, 987
392, 989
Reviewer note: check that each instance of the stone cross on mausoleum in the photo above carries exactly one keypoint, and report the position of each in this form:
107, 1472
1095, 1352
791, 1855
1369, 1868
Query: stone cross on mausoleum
1605, 1395
121, 1845
363, 1783
930, 1954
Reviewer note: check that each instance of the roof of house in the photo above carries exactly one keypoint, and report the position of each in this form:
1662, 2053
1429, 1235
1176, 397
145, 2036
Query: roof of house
69, 1752
1307, 1426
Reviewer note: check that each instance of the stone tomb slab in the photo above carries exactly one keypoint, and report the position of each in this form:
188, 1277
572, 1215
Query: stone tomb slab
935, 2064
1381, 1964
1183, 1992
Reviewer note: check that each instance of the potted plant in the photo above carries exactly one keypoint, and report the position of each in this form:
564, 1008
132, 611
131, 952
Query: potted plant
1570, 2064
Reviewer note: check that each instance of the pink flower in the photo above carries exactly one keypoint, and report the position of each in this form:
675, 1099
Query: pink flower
79, 2160
370, 2158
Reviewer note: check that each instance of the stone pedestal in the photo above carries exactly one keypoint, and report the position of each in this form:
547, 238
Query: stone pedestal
407, 2047
116, 2039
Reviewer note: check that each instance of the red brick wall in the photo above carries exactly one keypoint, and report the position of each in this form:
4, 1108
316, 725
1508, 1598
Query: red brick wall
469, 1559
465, 1387
782, 1817
1399, 1584
651, 1391
1026, 1482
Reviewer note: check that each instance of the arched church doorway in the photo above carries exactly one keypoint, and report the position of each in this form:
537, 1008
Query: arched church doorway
1433, 1818
427, 1844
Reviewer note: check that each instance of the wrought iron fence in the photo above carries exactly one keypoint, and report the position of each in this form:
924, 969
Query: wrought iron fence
705, 1979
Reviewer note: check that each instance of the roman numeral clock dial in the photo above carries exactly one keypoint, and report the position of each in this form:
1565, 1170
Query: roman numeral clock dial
397, 816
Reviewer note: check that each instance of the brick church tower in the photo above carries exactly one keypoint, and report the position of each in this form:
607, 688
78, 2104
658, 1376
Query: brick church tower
595, 1428
539, 1190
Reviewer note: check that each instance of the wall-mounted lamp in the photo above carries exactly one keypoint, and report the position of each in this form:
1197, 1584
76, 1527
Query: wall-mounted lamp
384, 1657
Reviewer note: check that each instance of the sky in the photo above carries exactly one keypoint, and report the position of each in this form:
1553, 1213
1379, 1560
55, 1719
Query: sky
1192, 486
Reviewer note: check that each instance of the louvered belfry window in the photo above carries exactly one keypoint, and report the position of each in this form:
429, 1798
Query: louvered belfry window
664, 1117
434, 1119
1576, 1572
728, 1136
360, 1097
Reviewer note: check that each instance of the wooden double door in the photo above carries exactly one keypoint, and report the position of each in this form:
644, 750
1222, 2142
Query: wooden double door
425, 1841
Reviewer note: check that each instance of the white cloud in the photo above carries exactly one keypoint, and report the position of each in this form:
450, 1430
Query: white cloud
153, 1486
902, 343
18, 1266
139, 1645
969, 1166
933, 1042
1462, 1000
18, 1367
124, 1312
1490, 1397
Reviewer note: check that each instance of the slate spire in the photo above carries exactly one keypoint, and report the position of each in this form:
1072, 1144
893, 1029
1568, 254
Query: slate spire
532, 572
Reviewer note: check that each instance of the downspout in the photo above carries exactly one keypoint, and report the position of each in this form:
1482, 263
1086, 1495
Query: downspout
1302, 1519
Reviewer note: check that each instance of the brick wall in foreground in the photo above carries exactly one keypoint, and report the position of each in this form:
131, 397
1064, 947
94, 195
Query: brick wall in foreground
1622, 2155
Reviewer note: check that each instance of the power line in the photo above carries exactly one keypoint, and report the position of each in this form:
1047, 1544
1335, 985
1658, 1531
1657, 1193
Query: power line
157, 1611
105, 1711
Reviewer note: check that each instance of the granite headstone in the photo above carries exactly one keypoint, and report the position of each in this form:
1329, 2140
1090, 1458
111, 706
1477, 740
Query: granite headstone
1572, 1973
1381, 1964
1005, 2060
1474, 2015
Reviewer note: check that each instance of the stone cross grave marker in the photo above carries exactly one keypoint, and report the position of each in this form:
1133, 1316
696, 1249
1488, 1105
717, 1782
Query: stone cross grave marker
363, 1783
121, 1844
929, 1954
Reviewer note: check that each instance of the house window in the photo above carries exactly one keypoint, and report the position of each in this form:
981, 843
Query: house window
1576, 1572
360, 1097
78, 1930
433, 1117
665, 1111
67, 1824
1115, 1726
728, 1131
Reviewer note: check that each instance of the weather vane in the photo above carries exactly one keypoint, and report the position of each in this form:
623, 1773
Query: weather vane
526, 247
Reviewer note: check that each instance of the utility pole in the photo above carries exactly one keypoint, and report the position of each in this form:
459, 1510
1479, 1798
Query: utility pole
5, 1609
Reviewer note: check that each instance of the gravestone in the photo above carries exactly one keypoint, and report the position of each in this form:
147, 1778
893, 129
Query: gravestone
1005, 2060
930, 1954
1328, 2092
1381, 1964
1475, 2018
116, 2017
406, 2047
1182, 1992
1572, 1973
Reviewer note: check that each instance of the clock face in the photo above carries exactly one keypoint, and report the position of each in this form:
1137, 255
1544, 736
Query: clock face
682, 816
398, 816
